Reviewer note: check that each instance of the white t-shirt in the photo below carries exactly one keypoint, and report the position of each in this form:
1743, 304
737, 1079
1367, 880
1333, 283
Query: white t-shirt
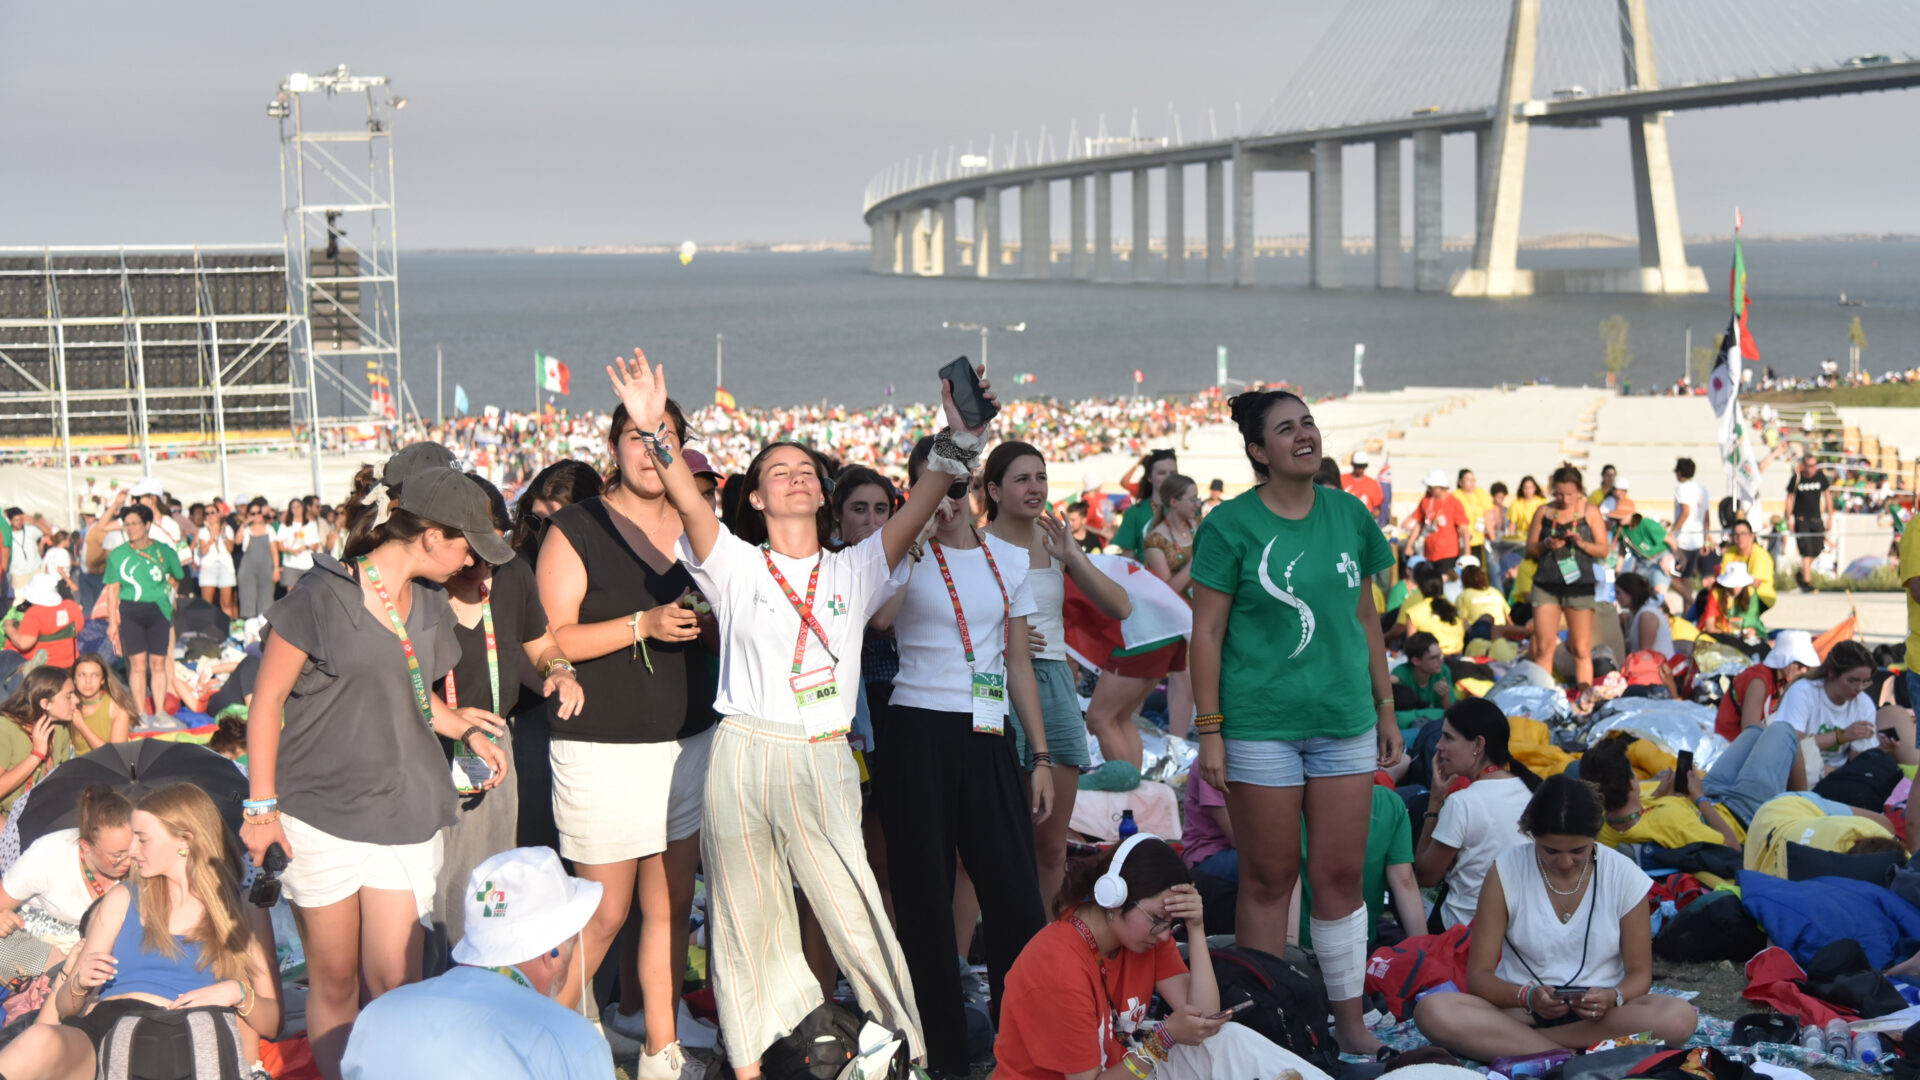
304, 536
933, 664
221, 553
1583, 951
55, 562
47, 875
1807, 709
1479, 823
758, 625
26, 549
1692, 535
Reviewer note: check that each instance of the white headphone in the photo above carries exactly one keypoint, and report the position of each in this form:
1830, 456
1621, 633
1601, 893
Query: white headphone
1110, 891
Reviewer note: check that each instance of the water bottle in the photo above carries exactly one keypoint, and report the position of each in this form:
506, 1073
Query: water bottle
1867, 1048
1128, 826
1839, 1039
1813, 1039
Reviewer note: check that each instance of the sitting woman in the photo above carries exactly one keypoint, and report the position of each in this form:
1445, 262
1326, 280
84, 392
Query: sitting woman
1755, 694
1478, 598
1562, 951
1643, 619
60, 875
1461, 834
1076, 999
1830, 707
1674, 811
1431, 611
1732, 609
1425, 672
176, 939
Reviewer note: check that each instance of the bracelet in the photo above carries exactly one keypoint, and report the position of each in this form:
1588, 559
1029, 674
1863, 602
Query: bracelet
36, 755
1209, 718
558, 663
633, 623
247, 999
1165, 1038
267, 803
74, 985
655, 444
264, 818
1042, 758
1134, 1069
1381, 701
471, 732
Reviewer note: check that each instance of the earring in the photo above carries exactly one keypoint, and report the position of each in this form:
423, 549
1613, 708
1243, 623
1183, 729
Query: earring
183, 853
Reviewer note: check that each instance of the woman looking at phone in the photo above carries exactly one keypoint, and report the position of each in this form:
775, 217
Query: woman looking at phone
1565, 538
1577, 961
785, 805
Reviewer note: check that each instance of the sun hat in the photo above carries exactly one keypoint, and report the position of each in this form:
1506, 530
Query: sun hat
1792, 647
447, 497
1736, 576
698, 465
1620, 484
1090, 482
1465, 561
1360, 458
521, 903
1437, 478
145, 486
41, 592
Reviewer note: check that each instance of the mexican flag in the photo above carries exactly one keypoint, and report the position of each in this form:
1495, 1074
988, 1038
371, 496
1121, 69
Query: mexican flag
1160, 617
553, 374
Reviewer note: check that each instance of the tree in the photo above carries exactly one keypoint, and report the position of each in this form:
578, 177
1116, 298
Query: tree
1700, 364
1613, 333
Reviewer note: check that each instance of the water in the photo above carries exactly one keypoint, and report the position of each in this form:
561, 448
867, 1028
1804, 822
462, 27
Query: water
812, 327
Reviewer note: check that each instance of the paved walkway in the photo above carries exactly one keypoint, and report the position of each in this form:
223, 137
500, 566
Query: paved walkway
1883, 615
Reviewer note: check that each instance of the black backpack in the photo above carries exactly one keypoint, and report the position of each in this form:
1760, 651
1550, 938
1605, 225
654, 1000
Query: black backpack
174, 1044
1289, 1006
822, 1045
1715, 927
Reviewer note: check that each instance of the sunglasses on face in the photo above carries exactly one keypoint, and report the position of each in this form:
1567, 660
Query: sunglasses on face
958, 490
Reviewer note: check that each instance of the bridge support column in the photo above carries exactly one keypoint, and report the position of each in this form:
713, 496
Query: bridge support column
1482, 171
1662, 248
1103, 227
1176, 223
1216, 222
1036, 228
880, 243
986, 233
1326, 232
1243, 174
946, 248
1142, 256
903, 241
1389, 263
1495, 256
1429, 274
1077, 227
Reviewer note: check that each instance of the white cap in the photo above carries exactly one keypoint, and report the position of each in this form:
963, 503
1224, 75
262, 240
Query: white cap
1465, 561
1438, 478
1360, 458
146, 486
1735, 576
41, 592
1792, 647
1620, 484
521, 903
1090, 482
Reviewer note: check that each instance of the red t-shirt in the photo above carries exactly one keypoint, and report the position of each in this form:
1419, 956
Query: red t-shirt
1364, 488
1442, 517
1055, 1017
58, 629
1726, 722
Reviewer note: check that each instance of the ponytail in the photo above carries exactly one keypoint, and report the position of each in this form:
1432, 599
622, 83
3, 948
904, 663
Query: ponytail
1436, 593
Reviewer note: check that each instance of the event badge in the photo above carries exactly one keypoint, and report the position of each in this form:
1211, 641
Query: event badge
817, 694
469, 772
989, 703
1569, 569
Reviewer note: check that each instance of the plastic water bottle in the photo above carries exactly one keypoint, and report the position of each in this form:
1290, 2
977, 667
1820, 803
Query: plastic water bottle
1867, 1048
1839, 1039
1813, 1039
1128, 826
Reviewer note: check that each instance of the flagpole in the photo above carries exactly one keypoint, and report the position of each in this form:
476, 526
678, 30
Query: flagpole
537, 373
718, 352
439, 388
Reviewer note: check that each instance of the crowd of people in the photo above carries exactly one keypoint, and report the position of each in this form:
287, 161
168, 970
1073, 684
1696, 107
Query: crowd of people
803, 678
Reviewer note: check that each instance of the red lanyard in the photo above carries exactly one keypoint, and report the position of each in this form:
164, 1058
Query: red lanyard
1006, 622
1093, 944
803, 609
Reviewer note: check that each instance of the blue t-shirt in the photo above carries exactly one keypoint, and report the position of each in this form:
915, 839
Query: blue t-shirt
473, 1022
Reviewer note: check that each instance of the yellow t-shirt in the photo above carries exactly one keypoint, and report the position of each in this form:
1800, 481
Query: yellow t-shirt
1473, 603
1476, 503
1523, 580
1760, 565
1522, 511
1669, 821
1910, 569
1796, 820
1417, 615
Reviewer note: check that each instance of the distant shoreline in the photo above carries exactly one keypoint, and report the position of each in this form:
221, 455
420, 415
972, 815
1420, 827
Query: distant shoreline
811, 247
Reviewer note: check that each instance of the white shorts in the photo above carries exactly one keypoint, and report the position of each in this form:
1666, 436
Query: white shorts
609, 806
323, 869
218, 575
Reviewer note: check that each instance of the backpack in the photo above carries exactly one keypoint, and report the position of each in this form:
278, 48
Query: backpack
174, 1044
1681, 888
1715, 927
1289, 1006
823, 1044
1403, 973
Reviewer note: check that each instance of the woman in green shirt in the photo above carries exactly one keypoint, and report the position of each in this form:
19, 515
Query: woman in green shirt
36, 732
1290, 679
141, 575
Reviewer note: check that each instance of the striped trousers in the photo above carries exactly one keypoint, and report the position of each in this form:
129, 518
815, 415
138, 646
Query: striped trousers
782, 811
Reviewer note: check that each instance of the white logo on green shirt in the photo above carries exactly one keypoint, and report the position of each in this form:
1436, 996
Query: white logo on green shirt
1287, 597
1350, 568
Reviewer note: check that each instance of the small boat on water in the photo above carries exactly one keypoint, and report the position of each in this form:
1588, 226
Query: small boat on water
1846, 301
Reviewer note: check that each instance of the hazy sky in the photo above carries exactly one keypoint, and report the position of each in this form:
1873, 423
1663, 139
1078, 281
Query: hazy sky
580, 123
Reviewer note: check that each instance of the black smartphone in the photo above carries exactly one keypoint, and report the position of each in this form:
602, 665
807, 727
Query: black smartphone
975, 408
1683, 767
1569, 993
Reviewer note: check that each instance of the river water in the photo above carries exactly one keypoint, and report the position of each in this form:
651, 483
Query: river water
813, 327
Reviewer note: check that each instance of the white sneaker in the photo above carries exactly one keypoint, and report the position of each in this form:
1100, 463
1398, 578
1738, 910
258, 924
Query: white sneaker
671, 1063
632, 1028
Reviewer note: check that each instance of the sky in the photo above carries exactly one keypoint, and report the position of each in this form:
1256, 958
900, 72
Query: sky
576, 123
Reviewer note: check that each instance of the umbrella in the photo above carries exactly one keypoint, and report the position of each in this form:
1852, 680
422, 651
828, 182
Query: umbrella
134, 768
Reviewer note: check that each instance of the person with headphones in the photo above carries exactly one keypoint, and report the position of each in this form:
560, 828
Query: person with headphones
1076, 999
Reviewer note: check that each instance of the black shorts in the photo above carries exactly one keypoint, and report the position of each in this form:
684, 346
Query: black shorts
144, 630
1445, 566
1811, 536
98, 1024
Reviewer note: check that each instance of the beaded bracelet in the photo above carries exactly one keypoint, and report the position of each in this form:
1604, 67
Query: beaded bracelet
1041, 757
1133, 1068
1209, 718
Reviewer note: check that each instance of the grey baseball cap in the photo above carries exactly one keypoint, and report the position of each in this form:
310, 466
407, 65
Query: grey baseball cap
414, 458
446, 497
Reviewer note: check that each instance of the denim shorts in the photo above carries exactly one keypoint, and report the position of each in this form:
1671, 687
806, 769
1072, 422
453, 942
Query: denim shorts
1060, 708
1291, 762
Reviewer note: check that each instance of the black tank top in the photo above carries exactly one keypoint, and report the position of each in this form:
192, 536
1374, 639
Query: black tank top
1549, 572
625, 702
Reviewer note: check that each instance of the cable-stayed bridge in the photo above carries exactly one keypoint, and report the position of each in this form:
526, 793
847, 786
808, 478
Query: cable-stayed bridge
1388, 71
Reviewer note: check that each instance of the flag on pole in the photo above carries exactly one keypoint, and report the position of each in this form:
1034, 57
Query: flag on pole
1723, 387
1139, 376
554, 375
723, 399
460, 403
379, 391
1385, 480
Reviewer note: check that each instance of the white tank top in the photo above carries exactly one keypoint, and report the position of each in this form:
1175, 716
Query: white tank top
1049, 588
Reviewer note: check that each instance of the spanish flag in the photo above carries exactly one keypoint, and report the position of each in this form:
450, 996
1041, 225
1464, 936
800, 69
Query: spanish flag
722, 398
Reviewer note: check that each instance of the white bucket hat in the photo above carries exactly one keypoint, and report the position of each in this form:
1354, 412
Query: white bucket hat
1736, 576
1438, 478
1792, 647
145, 486
1360, 458
1090, 482
41, 592
521, 903
1465, 561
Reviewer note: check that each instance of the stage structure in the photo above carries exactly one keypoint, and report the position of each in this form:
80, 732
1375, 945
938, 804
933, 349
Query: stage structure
107, 350
342, 251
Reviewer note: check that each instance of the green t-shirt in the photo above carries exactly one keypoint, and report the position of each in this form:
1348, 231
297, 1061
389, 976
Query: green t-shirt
1396, 596
16, 744
145, 575
1389, 843
1131, 536
1294, 662
1429, 696
6, 534
1647, 539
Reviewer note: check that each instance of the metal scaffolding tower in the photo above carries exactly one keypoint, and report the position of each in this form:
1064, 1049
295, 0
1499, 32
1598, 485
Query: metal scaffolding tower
337, 213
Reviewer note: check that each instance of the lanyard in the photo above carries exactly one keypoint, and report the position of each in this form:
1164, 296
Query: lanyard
803, 608
420, 694
1093, 945
93, 884
493, 656
1006, 621
514, 974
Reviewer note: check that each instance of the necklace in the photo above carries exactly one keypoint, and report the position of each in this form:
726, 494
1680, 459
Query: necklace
1577, 885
